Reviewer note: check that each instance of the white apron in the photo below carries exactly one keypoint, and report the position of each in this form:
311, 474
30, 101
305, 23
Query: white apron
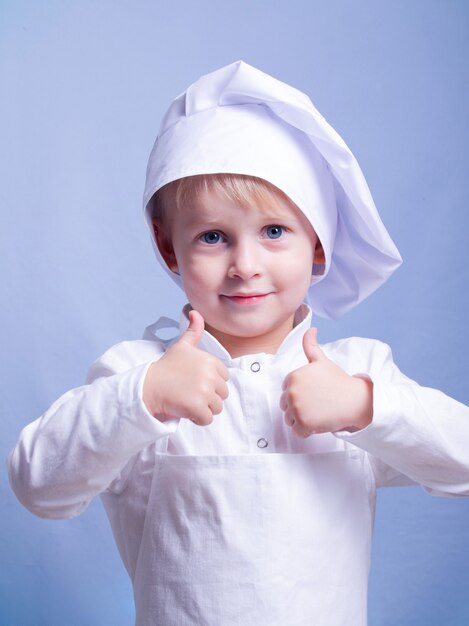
257, 539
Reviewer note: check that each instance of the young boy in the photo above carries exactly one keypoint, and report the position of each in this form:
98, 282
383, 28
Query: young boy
238, 462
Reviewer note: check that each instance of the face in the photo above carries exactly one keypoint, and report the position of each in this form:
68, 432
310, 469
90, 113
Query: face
245, 269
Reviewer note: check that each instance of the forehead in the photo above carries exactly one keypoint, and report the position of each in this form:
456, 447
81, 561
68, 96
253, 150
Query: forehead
210, 203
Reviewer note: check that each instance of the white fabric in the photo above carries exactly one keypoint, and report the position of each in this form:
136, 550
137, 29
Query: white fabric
214, 529
240, 120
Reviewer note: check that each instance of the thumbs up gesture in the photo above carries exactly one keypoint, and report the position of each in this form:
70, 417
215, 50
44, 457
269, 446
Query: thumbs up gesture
186, 381
320, 397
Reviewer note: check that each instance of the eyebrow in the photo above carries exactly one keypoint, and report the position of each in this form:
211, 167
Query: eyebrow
268, 213
202, 220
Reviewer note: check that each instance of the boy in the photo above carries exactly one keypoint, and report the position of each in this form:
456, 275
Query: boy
238, 462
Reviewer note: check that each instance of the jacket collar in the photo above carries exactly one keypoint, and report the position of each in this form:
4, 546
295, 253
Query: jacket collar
293, 341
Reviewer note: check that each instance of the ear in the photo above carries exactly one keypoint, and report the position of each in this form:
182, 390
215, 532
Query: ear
319, 256
165, 245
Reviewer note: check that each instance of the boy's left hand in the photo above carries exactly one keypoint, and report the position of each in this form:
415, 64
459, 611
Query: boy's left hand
320, 397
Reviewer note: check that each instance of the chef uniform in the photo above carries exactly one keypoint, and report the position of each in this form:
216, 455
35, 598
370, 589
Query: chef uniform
241, 522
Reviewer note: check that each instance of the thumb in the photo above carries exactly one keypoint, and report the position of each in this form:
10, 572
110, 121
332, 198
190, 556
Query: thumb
310, 345
195, 329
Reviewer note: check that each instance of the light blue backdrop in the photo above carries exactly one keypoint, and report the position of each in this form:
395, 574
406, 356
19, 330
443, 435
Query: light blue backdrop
83, 88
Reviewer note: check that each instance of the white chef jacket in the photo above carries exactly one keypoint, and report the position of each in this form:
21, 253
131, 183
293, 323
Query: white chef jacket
240, 522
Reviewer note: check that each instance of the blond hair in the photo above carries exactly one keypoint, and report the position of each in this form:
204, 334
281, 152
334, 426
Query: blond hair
242, 189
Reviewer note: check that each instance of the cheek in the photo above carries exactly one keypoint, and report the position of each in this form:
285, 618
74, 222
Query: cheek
297, 268
199, 273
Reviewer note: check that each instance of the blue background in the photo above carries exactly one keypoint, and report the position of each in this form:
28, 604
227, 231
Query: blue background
84, 86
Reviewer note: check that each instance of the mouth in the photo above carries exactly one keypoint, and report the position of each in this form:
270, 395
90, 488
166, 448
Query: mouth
245, 298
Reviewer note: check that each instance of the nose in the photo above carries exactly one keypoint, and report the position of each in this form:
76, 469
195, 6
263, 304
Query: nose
244, 261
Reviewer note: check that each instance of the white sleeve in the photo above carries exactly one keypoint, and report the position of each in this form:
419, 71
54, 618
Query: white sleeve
86, 438
418, 435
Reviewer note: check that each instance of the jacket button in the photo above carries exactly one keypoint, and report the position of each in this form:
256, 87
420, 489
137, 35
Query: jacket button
255, 367
262, 443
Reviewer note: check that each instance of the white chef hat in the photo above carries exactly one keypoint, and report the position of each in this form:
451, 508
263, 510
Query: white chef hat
240, 120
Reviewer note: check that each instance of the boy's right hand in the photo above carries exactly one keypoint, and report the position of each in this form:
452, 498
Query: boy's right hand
186, 382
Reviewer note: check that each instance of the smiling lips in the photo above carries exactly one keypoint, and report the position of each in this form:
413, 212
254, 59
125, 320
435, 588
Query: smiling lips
246, 298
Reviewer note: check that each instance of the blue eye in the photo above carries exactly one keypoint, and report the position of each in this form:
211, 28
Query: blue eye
274, 232
212, 237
